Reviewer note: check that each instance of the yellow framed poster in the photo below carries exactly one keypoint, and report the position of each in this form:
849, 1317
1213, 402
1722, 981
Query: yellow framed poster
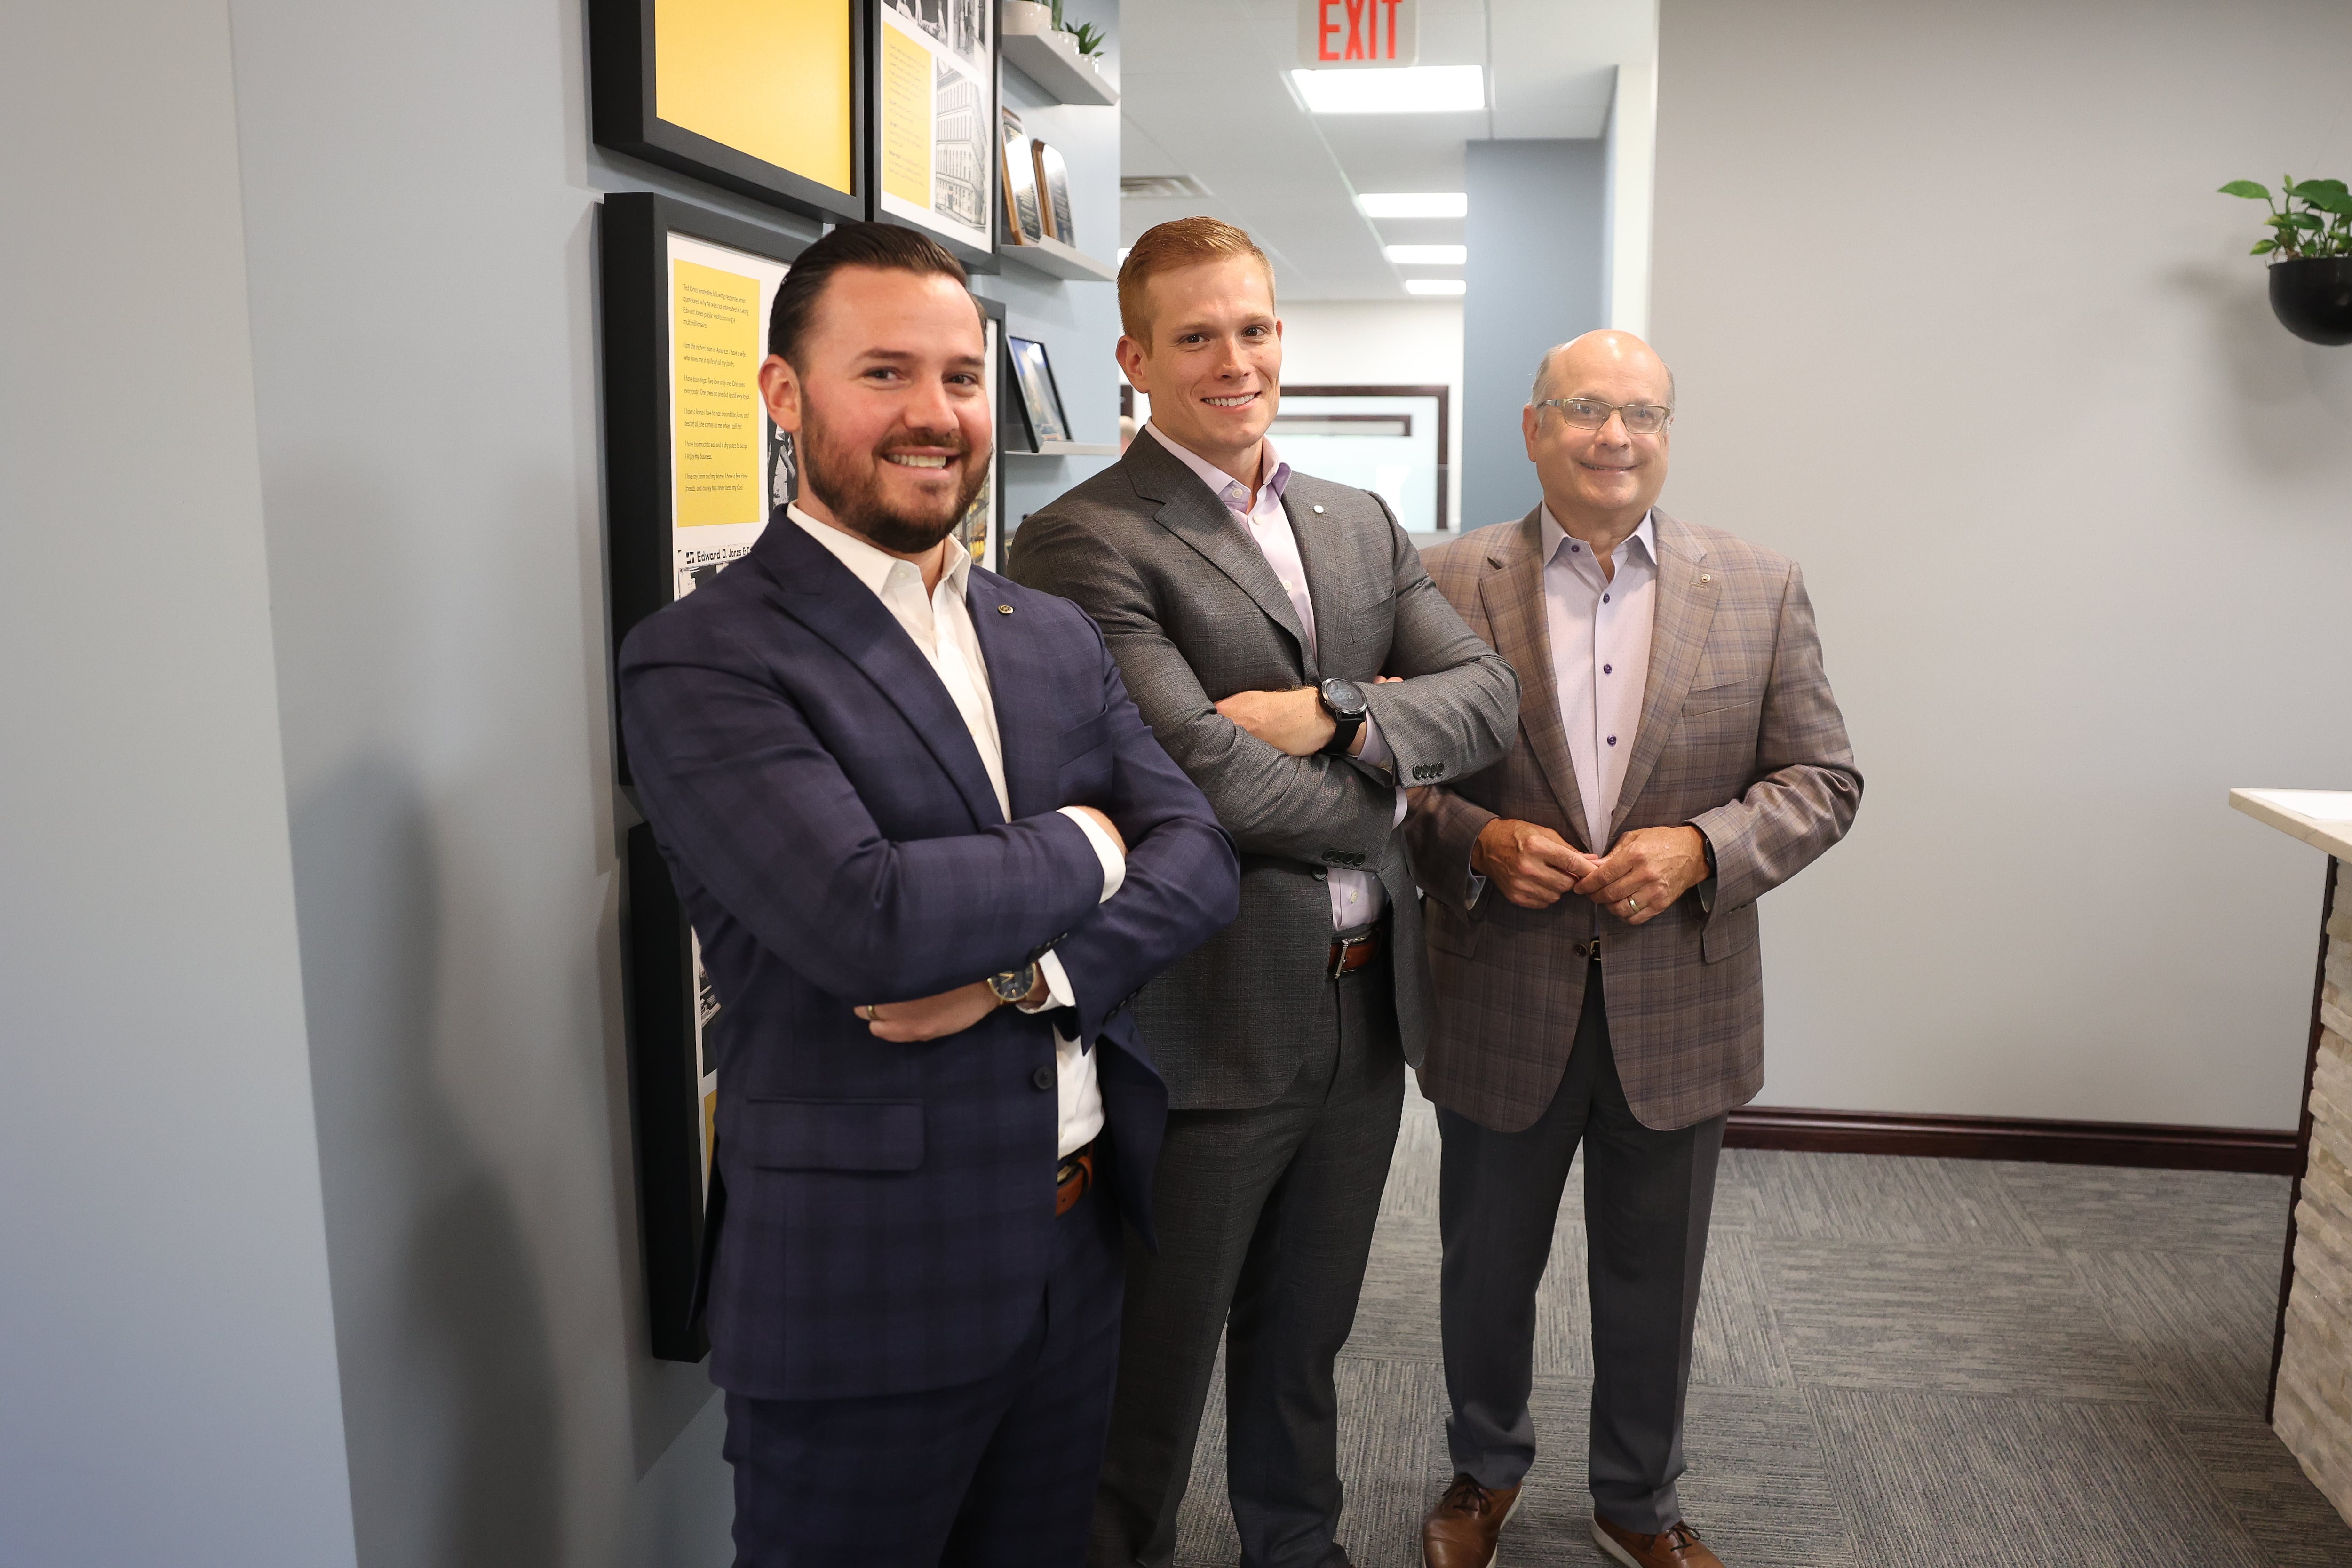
764, 96
934, 96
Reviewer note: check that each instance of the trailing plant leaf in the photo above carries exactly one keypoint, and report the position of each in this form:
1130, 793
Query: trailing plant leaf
2264, 247
2248, 189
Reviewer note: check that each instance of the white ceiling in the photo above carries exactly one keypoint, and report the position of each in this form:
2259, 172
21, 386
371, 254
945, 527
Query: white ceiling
1204, 93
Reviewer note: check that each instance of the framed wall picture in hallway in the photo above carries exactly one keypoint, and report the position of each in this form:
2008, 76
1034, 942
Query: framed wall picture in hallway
766, 100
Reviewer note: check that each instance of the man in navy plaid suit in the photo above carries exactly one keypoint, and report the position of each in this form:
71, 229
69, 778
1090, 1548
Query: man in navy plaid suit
932, 853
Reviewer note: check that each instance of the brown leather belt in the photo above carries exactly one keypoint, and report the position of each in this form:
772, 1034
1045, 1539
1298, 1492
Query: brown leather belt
1072, 1178
1349, 956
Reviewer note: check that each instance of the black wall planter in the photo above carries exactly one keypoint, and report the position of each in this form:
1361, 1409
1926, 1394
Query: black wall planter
2311, 296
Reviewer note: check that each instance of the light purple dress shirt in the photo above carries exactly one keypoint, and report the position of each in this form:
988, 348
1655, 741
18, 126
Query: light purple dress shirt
1599, 632
1357, 898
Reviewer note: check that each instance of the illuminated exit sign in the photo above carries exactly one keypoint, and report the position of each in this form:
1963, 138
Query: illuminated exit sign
1335, 34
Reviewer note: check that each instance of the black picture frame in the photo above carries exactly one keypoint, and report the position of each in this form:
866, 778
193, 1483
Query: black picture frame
993, 326
661, 988
1040, 395
622, 118
976, 258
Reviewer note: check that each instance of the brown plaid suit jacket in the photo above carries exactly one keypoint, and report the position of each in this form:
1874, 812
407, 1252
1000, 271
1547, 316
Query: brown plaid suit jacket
1740, 736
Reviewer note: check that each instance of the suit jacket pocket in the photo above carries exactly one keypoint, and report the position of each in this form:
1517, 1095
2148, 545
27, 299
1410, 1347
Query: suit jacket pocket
1450, 932
831, 1134
1732, 932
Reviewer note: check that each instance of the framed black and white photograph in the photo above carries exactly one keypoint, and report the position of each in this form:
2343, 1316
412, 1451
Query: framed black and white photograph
1023, 219
932, 87
693, 469
1054, 192
1041, 400
767, 101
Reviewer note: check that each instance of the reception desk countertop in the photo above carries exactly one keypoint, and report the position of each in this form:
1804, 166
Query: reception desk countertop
2321, 818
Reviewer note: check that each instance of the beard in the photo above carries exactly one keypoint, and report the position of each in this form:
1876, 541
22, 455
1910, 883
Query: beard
848, 480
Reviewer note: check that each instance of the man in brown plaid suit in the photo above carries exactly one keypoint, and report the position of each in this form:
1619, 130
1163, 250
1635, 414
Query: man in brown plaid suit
1679, 755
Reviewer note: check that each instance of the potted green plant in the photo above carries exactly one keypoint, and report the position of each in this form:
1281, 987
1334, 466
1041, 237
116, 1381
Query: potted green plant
2310, 243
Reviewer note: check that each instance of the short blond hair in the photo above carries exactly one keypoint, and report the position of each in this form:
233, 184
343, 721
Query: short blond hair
1171, 247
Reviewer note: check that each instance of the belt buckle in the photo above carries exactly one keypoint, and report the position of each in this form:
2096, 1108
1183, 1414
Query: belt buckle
1340, 949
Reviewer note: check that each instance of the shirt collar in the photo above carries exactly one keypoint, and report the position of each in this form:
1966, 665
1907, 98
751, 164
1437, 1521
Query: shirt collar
1277, 472
871, 566
1554, 536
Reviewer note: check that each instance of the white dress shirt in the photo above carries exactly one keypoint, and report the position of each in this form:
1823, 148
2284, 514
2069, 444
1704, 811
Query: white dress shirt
940, 626
1599, 631
1357, 897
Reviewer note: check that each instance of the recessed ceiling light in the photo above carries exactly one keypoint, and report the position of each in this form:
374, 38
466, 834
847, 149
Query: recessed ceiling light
1409, 90
1414, 204
1434, 286
1429, 255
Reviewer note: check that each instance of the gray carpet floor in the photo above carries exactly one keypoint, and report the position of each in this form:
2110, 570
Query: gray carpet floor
1900, 1363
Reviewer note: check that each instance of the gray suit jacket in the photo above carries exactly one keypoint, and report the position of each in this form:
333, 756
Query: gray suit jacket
1193, 614
1739, 737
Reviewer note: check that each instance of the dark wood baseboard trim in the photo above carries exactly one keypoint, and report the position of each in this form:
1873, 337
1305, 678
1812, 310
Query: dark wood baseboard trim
2153, 1145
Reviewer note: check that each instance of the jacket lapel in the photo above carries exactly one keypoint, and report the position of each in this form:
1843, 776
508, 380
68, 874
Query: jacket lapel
1686, 600
1017, 674
1189, 512
1512, 591
825, 596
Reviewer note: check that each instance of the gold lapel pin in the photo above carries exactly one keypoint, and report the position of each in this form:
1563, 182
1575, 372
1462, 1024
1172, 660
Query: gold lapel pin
1318, 511
1702, 577
1003, 609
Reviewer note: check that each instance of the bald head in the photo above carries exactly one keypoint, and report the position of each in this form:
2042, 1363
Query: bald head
1608, 353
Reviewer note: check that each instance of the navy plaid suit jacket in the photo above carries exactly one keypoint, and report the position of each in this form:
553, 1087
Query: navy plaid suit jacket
884, 1213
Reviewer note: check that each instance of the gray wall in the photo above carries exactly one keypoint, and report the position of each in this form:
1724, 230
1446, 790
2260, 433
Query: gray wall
1960, 324
1537, 217
167, 1372
420, 209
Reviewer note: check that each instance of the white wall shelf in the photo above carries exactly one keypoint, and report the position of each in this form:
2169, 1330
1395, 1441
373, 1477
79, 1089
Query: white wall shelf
1067, 449
1056, 260
1052, 60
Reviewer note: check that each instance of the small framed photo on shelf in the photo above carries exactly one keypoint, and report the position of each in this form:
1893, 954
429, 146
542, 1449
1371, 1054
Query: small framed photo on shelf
1024, 222
1053, 193
933, 88
766, 100
1041, 400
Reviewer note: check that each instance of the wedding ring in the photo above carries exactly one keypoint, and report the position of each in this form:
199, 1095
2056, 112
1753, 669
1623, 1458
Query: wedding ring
1632, 906
868, 1011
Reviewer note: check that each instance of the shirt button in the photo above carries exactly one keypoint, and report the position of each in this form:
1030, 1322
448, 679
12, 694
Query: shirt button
1575, 550
1612, 740
1604, 598
1607, 668
1043, 1078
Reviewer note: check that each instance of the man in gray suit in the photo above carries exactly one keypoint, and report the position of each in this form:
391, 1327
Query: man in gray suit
1680, 755
1280, 637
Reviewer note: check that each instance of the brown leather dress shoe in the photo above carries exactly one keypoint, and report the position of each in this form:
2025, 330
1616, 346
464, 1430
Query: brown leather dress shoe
1460, 1532
1679, 1547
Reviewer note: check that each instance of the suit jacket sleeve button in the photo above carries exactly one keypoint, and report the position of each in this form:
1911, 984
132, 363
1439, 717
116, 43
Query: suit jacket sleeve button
1042, 1078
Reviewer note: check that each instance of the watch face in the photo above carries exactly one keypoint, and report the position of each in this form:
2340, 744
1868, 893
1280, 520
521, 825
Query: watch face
1344, 697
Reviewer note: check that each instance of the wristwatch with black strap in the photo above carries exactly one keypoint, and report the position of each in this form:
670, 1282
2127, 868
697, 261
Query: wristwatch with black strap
1344, 700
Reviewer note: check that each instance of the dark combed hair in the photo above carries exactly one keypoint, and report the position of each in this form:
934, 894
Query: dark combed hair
885, 247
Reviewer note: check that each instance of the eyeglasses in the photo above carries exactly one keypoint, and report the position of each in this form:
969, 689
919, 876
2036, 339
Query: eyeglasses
1591, 413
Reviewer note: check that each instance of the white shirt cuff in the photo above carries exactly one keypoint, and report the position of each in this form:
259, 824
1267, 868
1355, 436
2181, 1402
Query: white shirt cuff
1114, 863
1376, 750
1477, 886
1057, 983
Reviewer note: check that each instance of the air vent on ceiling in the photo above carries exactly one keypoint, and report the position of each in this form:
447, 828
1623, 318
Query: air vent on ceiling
1159, 188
